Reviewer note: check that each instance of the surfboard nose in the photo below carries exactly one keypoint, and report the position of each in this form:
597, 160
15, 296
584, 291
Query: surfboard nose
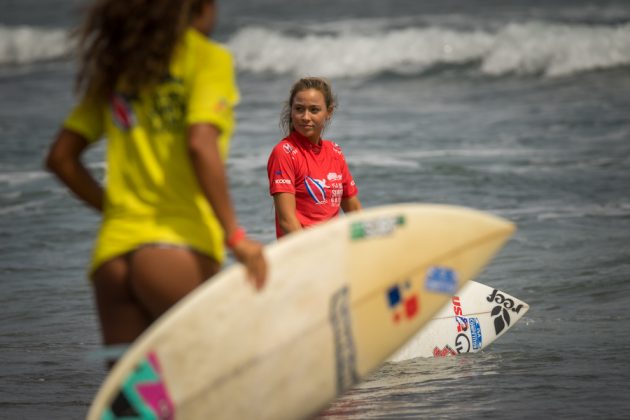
429, 252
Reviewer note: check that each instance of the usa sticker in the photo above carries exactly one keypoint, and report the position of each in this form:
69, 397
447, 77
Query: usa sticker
441, 280
403, 302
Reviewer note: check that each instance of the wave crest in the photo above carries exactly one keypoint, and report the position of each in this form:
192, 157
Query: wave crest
25, 44
522, 49
369, 48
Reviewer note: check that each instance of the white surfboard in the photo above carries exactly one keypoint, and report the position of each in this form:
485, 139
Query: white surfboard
341, 298
469, 323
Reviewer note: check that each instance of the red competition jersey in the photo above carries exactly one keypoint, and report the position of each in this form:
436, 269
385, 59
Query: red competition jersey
318, 176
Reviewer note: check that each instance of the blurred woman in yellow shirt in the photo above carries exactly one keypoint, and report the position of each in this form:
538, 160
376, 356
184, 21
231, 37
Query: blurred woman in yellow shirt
162, 94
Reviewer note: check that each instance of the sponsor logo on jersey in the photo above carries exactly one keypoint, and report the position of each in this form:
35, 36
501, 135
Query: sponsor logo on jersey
288, 148
221, 105
403, 301
316, 188
167, 105
333, 176
122, 112
282, 181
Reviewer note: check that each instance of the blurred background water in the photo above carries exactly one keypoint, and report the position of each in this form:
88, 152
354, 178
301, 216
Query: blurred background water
519, 108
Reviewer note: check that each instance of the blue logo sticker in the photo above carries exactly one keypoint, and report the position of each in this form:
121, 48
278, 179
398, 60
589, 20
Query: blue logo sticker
475, 333
441, 280
393, 296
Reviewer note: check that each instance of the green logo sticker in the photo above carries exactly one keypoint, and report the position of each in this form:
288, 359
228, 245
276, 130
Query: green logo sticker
376, 227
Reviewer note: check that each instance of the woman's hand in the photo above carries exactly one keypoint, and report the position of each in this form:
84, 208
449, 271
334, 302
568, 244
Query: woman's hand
250, 254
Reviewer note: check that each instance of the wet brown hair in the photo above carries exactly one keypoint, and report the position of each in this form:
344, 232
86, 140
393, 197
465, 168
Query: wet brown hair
130, 41
317, 83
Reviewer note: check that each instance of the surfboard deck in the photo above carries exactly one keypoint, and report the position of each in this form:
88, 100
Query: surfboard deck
341, 297
470, 322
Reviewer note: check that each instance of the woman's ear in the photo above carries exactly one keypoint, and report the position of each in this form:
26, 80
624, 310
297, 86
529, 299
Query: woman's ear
206, 20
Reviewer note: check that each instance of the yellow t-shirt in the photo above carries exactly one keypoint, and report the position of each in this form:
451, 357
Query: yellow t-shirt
151, 193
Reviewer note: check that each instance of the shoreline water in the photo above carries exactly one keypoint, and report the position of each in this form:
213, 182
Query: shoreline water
549, 152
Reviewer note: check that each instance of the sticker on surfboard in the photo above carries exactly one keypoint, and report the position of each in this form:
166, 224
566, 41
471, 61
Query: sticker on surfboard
470, 322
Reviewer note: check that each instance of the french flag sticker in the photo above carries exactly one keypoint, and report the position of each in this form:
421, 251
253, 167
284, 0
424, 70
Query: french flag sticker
403, 302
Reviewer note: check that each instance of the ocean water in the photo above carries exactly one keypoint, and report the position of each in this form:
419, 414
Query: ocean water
519, 108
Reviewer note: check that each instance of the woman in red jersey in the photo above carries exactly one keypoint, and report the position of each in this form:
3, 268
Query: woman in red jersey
308, 177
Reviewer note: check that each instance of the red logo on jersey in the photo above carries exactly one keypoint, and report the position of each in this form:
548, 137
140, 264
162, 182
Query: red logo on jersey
122, 112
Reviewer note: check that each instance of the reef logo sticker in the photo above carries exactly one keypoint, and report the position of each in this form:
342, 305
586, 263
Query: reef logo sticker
501, 312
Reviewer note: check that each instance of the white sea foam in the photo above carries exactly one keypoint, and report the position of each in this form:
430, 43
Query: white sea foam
524, 49
15, 179
26, 44
23, 207
567, 211
360, 48
556, 50
380, 161
411, 159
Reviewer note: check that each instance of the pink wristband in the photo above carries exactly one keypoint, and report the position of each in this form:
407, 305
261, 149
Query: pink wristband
237, 236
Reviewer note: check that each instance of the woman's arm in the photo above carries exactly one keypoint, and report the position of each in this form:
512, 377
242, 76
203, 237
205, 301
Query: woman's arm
203, 149
351, 204
285, 211
64, 160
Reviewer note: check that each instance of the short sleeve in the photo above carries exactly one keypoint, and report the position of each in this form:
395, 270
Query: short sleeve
281, 169
213, 93
350, 188
86, 119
